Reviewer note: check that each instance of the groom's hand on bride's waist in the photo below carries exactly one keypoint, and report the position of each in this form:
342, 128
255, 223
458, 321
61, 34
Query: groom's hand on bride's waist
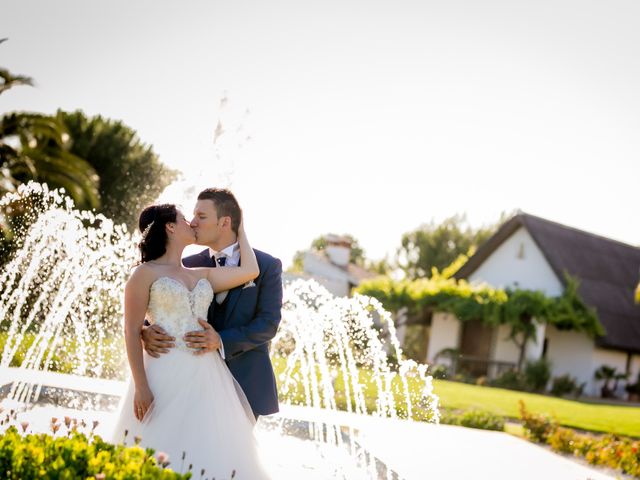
203, 341
156, 341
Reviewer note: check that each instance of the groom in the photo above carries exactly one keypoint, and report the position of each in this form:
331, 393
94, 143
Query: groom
242, 321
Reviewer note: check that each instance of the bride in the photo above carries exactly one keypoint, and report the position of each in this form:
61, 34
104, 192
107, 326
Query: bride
184, 404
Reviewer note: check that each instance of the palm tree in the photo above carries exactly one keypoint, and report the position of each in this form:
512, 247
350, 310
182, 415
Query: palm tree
9, 80
607, 374
34, 146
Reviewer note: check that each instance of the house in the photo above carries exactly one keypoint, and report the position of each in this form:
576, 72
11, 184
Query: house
331, 267
532, 253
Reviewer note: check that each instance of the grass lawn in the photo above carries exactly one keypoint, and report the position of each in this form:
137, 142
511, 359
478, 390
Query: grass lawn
111, 358
616, 419
600, 418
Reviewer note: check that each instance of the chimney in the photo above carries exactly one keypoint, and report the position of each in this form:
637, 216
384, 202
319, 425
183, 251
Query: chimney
338, 250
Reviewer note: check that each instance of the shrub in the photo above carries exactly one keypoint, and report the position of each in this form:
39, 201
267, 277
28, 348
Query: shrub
607, 450
482, 419
610, 450
438, 371
537, 375
538, 427
474, 418
607, 374
464, 377
76, 456
509, 379
566, 385
449, 418
563, 440
633, 388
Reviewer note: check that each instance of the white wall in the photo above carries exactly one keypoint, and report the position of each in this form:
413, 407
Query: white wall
338, 254
445, 333
331, 277
400, 322
575, 353
534, 347
635, 368
615, 359
571, 352
504, 349
518, 263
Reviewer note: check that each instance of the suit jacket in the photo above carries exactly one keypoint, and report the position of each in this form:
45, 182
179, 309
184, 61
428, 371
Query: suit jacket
250, 321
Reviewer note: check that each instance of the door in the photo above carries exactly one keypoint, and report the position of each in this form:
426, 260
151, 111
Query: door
475, 347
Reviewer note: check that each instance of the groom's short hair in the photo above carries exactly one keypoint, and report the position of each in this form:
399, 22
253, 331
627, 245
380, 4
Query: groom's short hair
226, 204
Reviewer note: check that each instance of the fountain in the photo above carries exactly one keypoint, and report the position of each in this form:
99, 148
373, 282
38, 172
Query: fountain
61, 311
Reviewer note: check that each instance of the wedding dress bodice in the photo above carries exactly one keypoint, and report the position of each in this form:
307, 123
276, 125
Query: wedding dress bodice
176, 308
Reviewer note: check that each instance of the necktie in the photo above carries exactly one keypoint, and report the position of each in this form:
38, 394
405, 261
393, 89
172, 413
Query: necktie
220, 296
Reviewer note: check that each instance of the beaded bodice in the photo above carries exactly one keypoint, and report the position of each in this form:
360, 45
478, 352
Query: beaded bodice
176, 308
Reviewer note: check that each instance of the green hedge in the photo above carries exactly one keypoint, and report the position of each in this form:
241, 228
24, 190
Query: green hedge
494, 306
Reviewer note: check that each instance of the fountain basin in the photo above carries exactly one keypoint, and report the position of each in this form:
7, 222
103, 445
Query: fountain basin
286, 441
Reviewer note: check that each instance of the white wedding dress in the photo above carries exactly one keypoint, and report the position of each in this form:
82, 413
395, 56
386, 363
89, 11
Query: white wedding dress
198, 407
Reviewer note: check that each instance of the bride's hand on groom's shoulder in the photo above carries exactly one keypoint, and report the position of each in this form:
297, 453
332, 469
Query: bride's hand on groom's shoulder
156, 341
203, 341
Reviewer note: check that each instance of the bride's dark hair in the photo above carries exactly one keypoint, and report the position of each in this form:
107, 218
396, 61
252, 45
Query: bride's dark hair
154, 236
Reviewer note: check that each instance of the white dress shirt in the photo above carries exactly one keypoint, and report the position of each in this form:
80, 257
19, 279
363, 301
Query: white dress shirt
232, 255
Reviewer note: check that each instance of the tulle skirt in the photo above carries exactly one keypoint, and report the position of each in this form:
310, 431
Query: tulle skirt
198, 411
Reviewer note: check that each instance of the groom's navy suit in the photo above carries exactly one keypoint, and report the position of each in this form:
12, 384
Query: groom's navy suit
246, 321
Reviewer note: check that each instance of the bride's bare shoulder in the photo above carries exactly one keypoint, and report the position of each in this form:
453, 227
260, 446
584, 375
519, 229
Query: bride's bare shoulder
142, 274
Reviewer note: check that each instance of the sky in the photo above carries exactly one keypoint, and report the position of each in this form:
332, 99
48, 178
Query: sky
361, 117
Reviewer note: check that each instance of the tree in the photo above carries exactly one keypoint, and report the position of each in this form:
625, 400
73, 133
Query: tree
521, 312
131, 175
381, 267
439, 245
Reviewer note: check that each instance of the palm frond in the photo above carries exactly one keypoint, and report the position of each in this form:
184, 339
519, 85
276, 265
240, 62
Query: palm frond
10, 80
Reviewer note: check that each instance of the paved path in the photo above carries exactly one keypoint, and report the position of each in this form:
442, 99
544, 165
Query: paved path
419, 451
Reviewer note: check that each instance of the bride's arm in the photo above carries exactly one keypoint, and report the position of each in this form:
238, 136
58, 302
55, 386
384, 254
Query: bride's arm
226, 278
136, 301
